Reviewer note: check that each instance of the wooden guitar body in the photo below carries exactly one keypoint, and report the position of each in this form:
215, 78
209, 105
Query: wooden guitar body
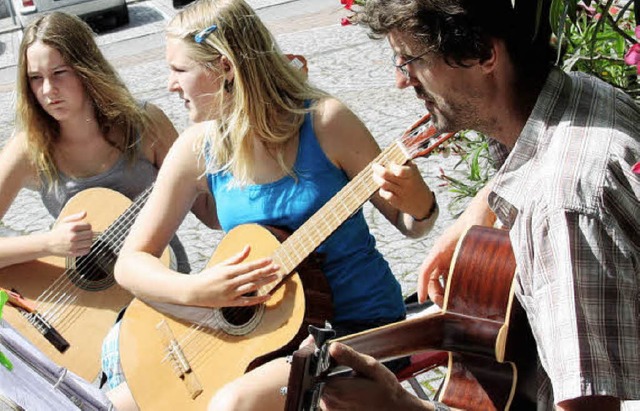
170, 366
81, 305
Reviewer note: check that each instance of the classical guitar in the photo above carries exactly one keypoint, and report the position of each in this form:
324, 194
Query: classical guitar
66, 306
191, 360
491, 357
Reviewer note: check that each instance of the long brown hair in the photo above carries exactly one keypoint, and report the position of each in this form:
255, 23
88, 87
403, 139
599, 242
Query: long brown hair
114, 105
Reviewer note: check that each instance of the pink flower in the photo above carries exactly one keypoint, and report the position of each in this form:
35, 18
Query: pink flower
345, 21
632, 57
636, 168
347, 5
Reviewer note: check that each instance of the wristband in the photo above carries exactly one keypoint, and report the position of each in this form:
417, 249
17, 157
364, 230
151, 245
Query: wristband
431, 212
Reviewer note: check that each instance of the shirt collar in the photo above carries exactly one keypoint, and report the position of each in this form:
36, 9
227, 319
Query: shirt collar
507, 192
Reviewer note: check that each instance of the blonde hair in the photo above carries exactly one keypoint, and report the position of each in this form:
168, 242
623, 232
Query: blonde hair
113, 103
268, 94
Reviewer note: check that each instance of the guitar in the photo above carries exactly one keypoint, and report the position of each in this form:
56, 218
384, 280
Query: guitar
491, 352
185, 357
66, 306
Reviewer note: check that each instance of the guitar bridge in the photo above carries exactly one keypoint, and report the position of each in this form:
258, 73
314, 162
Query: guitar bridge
179, 360
47, 330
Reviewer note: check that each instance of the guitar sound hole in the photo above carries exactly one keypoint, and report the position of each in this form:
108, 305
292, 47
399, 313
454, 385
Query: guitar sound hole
93, 271
238, 316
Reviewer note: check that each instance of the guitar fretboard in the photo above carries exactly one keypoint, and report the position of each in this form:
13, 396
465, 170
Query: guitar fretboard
331, 215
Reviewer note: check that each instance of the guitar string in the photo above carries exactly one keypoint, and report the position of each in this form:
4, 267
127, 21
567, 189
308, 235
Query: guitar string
62, 308
78, 270
99, 256
54, 294
186, 340
362, 191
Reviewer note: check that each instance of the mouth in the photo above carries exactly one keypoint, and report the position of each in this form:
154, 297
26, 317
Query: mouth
429, 103
422, 95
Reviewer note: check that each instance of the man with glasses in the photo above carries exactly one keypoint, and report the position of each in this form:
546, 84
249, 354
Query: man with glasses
566, 144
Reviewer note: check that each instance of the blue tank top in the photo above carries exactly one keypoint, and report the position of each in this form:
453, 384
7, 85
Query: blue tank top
364, 289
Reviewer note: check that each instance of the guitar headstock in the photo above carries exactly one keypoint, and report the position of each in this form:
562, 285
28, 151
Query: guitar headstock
422, 138
309, 365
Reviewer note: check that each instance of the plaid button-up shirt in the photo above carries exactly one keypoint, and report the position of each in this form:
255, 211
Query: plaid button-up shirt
568, 193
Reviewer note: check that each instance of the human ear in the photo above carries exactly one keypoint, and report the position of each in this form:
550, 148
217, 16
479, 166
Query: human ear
498, 52
227, 68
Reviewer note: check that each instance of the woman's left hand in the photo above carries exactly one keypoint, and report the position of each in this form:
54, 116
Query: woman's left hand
403, 187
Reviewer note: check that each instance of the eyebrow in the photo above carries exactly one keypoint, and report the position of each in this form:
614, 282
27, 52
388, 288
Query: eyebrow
58, 67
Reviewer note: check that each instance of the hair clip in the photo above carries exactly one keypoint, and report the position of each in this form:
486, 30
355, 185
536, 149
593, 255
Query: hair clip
201, 36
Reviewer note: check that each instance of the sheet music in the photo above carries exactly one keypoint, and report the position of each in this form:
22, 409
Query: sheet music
36, 383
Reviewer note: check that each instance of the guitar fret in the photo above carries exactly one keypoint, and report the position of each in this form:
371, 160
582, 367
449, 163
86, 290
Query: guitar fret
331, 215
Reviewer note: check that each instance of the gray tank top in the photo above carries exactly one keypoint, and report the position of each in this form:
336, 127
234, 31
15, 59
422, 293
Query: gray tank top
123, 177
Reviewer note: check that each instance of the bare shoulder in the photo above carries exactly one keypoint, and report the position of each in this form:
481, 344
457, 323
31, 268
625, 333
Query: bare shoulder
189, 145
159, 136
185, 161
330, 114
17, 149
16, 161
341, 133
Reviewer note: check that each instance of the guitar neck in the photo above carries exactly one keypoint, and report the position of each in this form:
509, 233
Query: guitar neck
331, 215
401, 338
116, 233
445, 330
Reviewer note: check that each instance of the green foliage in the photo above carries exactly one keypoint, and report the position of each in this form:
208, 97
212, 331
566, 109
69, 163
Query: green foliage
593, 37
475, 164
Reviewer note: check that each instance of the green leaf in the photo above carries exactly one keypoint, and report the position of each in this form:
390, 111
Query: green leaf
4, 361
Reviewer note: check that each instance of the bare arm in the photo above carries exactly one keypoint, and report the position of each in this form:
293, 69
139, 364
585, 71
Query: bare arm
157, 142
403, 196
138, 268
70, 237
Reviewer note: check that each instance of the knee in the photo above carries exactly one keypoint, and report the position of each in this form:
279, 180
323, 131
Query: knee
226, 399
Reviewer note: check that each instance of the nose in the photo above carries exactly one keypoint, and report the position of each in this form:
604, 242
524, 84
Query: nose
172, 83
402, 81
47, 86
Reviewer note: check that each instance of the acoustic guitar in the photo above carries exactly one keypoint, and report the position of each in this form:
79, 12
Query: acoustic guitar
189, 361
491, 360
66, 306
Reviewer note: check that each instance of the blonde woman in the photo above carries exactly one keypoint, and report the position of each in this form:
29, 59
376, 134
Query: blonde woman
272, 149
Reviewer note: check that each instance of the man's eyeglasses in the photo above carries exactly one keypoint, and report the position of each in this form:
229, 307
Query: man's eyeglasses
403, 67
